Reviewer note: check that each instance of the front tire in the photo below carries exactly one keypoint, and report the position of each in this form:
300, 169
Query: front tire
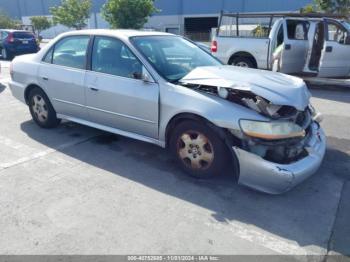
199, 150
41, 109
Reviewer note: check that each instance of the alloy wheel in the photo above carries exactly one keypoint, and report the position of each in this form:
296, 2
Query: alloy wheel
40, 108
195, 150
242, 64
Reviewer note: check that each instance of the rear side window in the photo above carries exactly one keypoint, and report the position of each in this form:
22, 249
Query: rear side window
297, 30
71, 52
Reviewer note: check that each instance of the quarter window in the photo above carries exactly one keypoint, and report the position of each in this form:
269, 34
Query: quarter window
71, 52
48, 56
4, 34
112, 56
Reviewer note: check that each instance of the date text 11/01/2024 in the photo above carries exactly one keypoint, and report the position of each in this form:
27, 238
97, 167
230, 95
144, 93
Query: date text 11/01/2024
173, 258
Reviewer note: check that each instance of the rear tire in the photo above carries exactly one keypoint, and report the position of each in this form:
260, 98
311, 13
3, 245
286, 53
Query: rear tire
5, 54
41, 109
199, 150
242, 61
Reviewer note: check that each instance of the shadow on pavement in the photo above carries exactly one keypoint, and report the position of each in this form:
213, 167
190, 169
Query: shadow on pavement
304, 215
2, 87
335, 95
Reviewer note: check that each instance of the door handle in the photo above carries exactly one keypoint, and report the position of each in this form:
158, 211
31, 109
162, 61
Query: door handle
288, 47
329, 49
45, 78
93, 88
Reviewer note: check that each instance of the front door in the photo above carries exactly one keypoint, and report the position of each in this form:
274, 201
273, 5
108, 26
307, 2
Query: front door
62, 74
115, 95
335, 58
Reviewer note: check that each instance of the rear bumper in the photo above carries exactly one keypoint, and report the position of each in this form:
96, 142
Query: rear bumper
22, 51
17, 90
274, 178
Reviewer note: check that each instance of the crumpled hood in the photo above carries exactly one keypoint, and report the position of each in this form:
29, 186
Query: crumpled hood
278, 88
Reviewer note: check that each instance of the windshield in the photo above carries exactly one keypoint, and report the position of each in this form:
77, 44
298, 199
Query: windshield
173, 57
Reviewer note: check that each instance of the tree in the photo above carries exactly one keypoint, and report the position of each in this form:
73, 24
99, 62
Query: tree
40, 23
72, 13
341, 7
128, 13
7, 22
308, 9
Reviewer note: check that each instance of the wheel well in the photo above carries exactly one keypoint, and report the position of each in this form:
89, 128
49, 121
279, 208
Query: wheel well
189, 116
224, 134
27, 91
245, 55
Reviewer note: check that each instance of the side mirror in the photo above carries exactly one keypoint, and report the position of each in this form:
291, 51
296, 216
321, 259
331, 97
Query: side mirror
145, 76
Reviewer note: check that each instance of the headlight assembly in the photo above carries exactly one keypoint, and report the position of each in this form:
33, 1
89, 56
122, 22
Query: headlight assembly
271, 130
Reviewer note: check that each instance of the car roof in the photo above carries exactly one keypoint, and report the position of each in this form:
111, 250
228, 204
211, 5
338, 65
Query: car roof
117, 32
15, 30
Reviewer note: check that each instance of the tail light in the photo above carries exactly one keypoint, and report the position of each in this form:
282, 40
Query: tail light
10, 38
214, 46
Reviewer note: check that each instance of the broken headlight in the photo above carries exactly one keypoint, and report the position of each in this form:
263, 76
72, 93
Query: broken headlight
271, 130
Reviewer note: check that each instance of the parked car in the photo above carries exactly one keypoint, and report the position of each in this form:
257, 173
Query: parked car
17, 42
163, 89
286, 42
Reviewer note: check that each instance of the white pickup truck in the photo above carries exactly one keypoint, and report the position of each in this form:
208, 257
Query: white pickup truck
289, 43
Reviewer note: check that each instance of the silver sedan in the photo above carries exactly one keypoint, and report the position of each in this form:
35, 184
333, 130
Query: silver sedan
163, 89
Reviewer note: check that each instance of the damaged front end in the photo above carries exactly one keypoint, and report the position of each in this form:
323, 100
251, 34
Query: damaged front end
280, 152
281, 147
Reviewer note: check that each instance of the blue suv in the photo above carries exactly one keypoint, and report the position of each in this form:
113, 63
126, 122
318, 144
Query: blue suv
16, 42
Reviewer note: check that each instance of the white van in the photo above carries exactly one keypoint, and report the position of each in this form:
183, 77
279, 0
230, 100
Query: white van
290, 43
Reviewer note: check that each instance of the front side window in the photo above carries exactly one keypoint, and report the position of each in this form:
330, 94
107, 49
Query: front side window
71, 52
336, 33
112, 56
171, 56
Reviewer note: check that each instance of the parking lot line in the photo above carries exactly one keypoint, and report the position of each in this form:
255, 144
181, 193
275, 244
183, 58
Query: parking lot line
40, 154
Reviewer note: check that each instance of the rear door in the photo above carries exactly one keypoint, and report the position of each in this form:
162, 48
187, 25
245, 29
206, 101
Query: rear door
335, 58
295, 46
62, 73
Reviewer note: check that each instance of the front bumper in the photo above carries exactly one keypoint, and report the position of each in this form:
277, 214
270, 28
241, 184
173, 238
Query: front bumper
274, 178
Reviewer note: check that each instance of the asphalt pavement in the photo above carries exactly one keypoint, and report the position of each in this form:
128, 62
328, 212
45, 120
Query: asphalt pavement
78, 190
